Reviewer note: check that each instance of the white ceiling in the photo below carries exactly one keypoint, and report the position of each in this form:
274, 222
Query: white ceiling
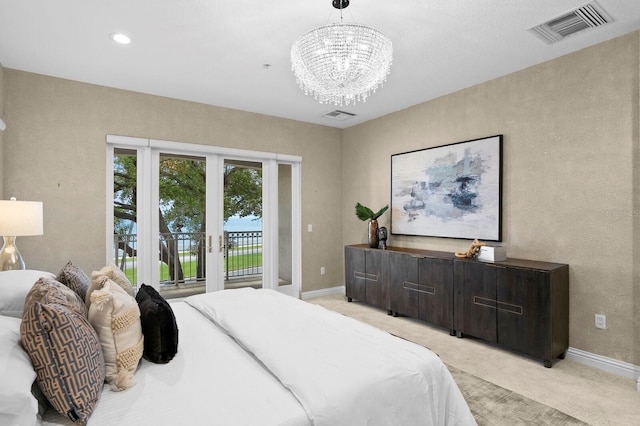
214, 51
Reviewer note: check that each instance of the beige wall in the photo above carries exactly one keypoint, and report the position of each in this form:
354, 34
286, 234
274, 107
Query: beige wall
571, 170
570, 131
55, 152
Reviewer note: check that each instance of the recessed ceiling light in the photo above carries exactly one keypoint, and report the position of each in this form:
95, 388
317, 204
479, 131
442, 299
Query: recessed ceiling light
120, 38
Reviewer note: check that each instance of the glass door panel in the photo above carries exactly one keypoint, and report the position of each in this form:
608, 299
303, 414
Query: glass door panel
242, 207
182, 226
125, 212
285, 235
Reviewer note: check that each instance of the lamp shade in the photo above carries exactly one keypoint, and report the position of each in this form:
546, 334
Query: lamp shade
20, 218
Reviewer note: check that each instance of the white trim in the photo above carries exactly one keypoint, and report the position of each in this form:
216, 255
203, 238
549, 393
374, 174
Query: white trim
148, 221
127, 140
215, 233
286, 158
269, 224
172, 147
296, 224
323, 292
109, 249
610, 365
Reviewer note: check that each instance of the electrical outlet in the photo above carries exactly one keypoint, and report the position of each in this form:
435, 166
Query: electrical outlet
601, 321
322, 270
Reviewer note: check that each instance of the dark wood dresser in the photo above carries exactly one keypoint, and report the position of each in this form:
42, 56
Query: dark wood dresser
520, 304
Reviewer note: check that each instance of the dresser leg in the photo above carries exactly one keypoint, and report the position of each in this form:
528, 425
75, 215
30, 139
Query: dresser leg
349, 299
562, 355
547, 363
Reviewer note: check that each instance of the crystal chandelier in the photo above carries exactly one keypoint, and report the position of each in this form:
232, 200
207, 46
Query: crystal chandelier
341, 63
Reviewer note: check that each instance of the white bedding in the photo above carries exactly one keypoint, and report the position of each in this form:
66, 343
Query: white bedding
343, 372
211, 381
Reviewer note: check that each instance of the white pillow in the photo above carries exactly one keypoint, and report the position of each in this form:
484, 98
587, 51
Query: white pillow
14, 286
18, 406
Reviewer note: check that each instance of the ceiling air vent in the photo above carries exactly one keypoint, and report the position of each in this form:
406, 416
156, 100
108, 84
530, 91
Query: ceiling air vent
589, 16
339, 115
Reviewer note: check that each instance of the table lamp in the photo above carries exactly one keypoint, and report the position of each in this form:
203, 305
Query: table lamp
17, 218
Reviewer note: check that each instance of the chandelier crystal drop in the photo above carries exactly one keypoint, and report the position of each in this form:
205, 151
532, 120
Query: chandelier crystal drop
341, 63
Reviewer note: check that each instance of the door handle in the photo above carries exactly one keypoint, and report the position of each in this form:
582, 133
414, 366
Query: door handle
210, 244
220, 243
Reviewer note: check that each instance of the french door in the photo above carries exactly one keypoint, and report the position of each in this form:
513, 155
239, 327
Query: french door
175, 238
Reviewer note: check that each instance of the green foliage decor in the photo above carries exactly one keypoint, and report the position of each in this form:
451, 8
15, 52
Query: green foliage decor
365, 213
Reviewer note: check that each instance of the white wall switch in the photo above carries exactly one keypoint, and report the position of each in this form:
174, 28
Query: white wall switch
322, 270
309, 228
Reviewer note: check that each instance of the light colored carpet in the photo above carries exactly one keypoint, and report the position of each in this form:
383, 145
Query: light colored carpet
492, 405
586, 393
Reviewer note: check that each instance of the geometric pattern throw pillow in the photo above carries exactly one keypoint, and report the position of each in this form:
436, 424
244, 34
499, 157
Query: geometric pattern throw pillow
48, 290
66, 356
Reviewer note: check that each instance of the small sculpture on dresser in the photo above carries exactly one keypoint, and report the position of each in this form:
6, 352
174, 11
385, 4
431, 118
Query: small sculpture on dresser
474, 248
382, 237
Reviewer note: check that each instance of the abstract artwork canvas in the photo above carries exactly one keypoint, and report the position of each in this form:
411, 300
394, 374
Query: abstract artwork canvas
452, 191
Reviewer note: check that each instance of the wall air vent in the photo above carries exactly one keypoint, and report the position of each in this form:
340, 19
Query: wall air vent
339, 115
589, 16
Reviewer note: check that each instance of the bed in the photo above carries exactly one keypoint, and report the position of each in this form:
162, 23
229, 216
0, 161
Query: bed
257, 357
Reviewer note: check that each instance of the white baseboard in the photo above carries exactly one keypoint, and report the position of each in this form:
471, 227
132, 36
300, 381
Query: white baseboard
610, 365
323, 292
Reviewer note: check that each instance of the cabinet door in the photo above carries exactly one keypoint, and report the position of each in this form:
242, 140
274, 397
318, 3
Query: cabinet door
476, 307
402, 282
524, 311
354, 270
436, 291
376, 278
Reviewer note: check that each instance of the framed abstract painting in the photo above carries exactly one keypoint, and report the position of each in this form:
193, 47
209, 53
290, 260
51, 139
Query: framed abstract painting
451, 191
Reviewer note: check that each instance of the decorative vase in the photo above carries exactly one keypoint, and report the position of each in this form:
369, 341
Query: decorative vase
373, 233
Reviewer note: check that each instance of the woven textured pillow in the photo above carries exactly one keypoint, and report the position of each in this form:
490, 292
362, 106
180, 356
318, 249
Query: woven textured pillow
74, 278
158, 326
115, 274
116, 318
66, 356
48, 290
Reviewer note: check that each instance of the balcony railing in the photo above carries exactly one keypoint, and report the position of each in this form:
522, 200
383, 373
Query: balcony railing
182, 256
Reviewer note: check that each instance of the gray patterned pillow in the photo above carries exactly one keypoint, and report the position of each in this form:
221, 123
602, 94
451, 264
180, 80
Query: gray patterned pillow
47, 290
66, 356
74, 278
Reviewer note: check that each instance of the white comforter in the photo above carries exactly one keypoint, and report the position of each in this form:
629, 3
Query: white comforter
211, 381
342, 371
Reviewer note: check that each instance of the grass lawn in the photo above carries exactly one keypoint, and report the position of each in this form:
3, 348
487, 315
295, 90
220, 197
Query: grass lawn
236, 262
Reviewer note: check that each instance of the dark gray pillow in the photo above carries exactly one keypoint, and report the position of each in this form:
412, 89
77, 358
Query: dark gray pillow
74, 278
159, 326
